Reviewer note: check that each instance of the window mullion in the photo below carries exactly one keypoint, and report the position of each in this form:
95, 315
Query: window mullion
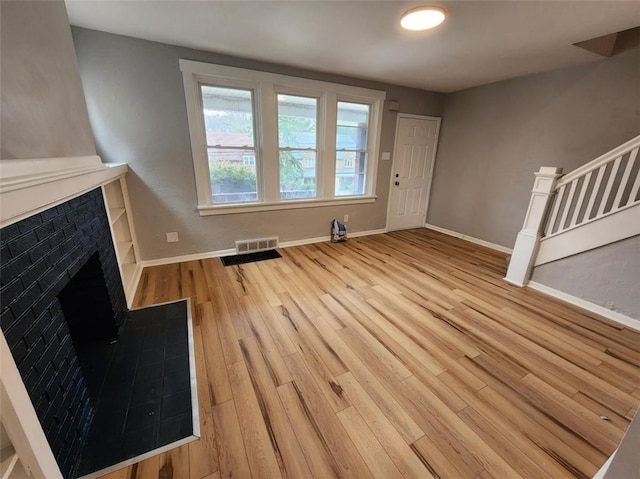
329, 145
270, 155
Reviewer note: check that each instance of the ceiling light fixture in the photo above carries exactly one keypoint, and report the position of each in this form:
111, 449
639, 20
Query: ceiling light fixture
422, 18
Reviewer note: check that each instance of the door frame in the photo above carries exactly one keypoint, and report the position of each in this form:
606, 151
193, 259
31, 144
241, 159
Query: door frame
431, 170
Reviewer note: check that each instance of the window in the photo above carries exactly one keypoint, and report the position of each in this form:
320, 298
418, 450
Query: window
262, 141
297, 140
228, 121
351, 148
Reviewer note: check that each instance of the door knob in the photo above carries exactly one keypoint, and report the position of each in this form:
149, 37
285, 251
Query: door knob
397, 183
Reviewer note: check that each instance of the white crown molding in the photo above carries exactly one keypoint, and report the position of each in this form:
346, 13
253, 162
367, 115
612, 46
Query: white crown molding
455, 234
30, 186
231, 251
592, 307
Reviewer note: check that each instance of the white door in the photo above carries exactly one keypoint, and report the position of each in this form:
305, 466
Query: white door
416, 141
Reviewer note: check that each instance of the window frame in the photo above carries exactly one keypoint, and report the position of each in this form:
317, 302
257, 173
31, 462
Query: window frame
265, 88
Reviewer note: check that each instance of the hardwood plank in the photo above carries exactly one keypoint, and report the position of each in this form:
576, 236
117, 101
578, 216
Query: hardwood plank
439, 464
203, 452
369, 341
124, 473
314, 447
306, 336
231, 454
371, 360
400, 453
174, 464
270, 350
149, 468
255, 433
491, 461
216, 378
309, 335
373, 381
333, 434
517, 459
520, 434
285, 446
379, 462
228, 338
557, 441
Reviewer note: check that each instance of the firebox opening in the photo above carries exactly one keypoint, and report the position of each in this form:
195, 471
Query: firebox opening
89, 314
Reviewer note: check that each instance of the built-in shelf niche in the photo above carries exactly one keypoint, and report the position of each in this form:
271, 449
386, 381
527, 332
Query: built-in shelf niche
117, 200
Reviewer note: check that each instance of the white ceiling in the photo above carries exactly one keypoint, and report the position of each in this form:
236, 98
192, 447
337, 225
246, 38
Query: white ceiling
480, 42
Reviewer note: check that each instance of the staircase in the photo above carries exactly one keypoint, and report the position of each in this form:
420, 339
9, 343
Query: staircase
594, 205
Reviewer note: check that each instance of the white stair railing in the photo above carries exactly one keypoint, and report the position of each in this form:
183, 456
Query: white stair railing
563, 210
598, 189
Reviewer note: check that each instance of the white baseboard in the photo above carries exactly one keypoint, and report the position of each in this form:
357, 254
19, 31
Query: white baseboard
581, 303
605, 467
187, 257
497, 247
231, 251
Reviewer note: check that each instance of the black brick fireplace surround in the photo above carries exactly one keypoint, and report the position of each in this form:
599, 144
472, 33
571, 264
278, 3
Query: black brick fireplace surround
38, 257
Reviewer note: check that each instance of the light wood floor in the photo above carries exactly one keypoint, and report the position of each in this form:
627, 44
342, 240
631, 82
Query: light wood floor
395, 355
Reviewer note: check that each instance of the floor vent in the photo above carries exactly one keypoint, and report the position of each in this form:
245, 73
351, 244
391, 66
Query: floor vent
262, 244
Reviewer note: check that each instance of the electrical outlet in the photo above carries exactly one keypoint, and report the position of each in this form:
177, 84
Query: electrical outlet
172, 237
345, 219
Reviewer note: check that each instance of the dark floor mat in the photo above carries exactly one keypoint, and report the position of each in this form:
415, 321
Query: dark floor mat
250, 257
145, 401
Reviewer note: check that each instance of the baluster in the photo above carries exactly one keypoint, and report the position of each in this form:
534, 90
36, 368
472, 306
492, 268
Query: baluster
554, 212
583, 191
567, 205
625, 178
607, 190
594, 193
636, 185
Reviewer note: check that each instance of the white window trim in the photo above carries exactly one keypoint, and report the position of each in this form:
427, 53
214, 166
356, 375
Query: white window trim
266, 86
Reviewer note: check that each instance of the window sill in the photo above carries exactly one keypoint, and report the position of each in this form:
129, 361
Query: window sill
208, 210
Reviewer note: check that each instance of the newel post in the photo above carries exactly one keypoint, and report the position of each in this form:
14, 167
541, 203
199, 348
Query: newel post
526, 247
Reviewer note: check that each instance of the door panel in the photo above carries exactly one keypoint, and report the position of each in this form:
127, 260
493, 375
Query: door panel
416, 140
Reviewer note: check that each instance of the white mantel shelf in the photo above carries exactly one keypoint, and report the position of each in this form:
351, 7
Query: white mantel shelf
30, 186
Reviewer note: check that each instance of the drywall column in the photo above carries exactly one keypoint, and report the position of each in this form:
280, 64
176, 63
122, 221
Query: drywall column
524, 251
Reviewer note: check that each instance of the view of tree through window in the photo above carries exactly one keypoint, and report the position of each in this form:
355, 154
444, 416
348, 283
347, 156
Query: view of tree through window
351, 148
297, 142
228, 121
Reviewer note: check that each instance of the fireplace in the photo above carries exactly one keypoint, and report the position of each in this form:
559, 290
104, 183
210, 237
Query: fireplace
60, 289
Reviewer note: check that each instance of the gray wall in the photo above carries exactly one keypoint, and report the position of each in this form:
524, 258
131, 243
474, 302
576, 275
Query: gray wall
607, 276
137, 109
43, 109
626, 462
495, 136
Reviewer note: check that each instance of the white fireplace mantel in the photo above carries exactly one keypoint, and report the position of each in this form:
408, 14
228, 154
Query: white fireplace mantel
30, 186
